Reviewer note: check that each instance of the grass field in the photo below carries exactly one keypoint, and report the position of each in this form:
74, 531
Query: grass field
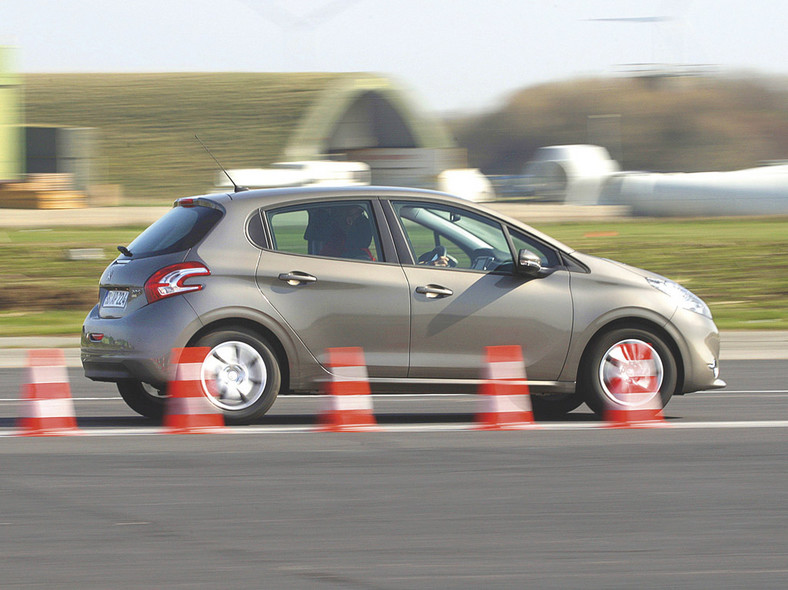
42, 291
738, 266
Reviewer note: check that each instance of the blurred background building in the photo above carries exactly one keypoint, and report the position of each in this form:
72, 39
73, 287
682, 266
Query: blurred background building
366, 119
11, 139
40, 167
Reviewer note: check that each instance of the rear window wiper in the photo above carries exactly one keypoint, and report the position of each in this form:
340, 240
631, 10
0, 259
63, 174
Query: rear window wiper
125, 251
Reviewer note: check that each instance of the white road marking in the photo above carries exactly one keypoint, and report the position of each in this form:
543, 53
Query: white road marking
468, 396
468, 427
76, 399
744, 392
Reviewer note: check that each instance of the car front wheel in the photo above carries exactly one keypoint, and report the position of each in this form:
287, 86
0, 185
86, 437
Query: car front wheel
624, 366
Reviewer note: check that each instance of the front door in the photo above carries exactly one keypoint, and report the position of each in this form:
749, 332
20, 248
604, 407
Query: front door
465, 295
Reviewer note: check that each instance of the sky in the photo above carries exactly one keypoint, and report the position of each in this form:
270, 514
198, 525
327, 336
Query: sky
454, 55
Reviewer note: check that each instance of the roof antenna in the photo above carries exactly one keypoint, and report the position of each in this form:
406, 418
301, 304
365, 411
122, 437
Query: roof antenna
236, 188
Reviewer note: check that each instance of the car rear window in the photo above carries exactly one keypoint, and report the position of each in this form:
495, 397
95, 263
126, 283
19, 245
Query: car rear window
178, 230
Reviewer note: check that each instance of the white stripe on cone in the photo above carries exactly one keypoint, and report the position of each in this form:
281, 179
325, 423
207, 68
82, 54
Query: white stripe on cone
189, 372
48, 408
342, 403
354, 373
40, 375
506, 403
505, 370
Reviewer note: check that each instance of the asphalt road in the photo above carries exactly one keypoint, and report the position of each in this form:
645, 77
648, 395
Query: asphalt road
424, 504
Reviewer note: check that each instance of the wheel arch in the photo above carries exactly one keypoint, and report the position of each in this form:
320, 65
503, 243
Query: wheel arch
260, 331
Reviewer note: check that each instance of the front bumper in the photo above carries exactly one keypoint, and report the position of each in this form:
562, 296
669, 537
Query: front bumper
699, 341
137, 346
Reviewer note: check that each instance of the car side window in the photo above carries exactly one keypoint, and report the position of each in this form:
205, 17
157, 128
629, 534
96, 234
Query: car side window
338, 229
451, 237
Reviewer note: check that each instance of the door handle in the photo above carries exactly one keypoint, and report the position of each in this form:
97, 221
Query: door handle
296, 278
434, 291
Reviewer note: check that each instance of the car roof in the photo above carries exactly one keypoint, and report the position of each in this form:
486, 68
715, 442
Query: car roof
283, 196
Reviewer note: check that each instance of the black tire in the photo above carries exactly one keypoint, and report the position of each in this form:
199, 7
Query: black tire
245, 371
143, 398
601, 367
555, 407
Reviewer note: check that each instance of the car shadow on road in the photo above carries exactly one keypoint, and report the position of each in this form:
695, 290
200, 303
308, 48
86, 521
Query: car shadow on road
411, 418
399, 418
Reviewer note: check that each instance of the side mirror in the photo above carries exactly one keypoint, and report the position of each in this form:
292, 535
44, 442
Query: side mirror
528, 263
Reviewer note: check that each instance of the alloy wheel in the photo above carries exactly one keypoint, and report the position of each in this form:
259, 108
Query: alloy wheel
631, 372
235, 375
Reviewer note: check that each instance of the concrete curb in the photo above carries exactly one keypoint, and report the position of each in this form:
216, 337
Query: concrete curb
92, 216
744, 345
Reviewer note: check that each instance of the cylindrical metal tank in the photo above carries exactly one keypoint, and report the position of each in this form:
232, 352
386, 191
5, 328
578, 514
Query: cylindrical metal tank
757, 191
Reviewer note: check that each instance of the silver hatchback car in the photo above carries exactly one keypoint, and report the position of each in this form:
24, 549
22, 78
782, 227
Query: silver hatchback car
422, 281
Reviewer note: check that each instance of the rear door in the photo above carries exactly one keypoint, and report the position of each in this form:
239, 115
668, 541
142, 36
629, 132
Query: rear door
327, 273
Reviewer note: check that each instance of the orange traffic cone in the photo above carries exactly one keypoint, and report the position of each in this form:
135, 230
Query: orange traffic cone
506, 401
348, 398
47, 407
637, 390
188, 409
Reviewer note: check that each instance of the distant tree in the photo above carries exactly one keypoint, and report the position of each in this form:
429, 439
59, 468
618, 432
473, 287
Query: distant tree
676, 124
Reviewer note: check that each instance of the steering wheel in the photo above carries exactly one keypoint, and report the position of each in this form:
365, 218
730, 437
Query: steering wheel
483, 259
431, 257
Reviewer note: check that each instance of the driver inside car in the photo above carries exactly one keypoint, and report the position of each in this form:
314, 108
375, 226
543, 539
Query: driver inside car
438, 256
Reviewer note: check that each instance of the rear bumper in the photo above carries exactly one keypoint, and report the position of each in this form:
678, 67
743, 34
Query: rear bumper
137, 346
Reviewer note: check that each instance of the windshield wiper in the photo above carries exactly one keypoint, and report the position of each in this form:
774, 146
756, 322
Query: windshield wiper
125, 251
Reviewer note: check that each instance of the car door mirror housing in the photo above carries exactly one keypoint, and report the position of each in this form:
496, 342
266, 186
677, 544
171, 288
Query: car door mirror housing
528, 263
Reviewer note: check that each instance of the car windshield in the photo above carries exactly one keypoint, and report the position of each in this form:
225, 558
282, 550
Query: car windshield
178, 230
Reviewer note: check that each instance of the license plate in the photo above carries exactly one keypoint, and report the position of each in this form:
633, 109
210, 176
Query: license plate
116, 299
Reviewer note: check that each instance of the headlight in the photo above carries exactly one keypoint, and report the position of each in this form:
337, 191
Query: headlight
684, 298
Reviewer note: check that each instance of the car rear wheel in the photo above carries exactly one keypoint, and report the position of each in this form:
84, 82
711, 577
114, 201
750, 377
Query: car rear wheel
143, 398
628, 361
241, 374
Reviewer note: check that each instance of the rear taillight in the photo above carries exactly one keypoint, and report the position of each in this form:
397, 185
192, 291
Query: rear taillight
168, 281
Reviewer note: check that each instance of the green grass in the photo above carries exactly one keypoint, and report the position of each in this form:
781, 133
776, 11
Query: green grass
738, 266
42, 290
42, 323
